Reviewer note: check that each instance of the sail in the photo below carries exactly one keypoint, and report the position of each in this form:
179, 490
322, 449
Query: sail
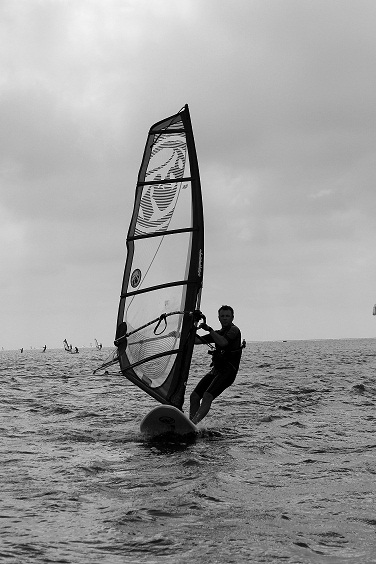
164, 265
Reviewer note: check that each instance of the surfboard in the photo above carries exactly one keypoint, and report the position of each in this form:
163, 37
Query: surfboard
167, 420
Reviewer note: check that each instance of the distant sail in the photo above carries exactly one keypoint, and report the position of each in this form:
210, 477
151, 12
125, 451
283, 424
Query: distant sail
374, 309
69, 348
164, 267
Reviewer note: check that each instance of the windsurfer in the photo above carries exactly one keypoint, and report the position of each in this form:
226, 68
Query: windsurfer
225, 363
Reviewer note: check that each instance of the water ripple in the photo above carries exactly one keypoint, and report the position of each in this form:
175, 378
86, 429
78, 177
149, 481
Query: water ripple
282, 470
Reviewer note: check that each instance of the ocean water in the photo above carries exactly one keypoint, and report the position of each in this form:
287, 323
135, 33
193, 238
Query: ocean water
283, 470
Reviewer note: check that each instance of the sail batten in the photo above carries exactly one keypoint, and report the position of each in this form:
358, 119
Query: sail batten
170, 232
177, 130
164, 265
158, 287
168, 181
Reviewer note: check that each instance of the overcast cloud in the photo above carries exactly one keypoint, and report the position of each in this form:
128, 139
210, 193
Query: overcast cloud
282, 99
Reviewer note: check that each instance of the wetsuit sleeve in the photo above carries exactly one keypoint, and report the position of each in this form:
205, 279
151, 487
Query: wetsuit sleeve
232, 334
206, 338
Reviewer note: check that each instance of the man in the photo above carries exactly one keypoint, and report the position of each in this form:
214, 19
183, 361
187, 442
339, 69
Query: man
225, 363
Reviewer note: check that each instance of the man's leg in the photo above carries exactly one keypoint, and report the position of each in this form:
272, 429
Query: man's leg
204, 408
194, 404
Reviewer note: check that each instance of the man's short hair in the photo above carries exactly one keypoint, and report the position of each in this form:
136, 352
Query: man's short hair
227, 307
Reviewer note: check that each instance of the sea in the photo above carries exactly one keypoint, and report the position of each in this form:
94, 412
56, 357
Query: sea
283, 469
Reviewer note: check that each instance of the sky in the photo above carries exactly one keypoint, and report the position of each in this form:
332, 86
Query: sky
282, 100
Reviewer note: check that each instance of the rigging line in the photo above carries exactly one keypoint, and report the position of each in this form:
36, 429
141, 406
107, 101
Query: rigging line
162, 318
106, 364
158, 355
151, 339
157, 319
196, 314
160, 243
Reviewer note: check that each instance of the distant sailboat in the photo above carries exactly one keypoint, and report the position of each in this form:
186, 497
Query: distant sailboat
69, 349
374, 310
98, 345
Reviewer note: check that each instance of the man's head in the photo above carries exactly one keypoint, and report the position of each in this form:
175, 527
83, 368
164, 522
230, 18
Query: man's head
225, 315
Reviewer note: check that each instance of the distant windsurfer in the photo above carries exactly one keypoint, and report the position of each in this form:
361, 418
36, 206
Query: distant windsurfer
225, 363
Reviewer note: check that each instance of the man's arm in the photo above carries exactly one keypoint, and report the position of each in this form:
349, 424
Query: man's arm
214, 336
204, 340
219, 340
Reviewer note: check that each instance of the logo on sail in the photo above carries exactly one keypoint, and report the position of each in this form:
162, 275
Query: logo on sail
158, 201
135, 278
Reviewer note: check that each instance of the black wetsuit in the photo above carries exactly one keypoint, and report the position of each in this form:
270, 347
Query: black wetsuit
225, 364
